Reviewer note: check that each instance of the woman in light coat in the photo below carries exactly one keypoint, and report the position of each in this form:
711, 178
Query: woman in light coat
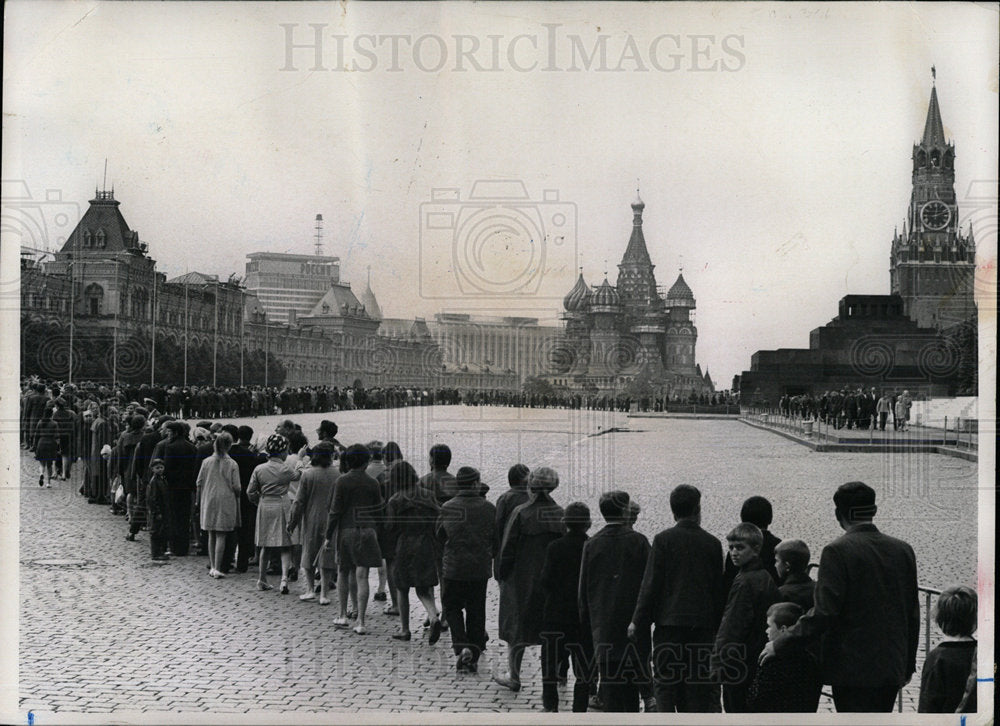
268, 489
219, 500
310, 509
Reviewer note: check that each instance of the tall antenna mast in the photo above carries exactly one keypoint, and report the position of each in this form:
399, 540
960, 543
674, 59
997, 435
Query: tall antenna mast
319, 235
104, 185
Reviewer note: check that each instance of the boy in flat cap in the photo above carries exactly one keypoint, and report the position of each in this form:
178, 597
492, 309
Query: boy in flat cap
466, 529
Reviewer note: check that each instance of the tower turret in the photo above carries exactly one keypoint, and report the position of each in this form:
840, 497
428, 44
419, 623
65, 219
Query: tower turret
932, 263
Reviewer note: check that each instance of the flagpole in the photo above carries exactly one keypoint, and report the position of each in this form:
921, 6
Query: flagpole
243, 314
152, 361
185, 334
215, 342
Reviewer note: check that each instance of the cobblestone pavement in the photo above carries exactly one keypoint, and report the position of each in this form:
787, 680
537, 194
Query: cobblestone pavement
105, 630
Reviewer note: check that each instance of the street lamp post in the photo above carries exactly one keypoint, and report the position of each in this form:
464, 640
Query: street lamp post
215, 340
186, 316
243, 315
152, 357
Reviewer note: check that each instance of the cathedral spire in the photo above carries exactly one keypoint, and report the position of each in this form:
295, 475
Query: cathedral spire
636, 252
933, 127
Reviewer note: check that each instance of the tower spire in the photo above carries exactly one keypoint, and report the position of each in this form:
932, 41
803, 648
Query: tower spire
933, 127
636, 251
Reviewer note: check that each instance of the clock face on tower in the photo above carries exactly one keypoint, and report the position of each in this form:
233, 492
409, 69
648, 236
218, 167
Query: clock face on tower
935, 215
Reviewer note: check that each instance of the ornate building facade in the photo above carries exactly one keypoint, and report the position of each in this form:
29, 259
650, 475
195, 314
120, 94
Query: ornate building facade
617, 336
100, 309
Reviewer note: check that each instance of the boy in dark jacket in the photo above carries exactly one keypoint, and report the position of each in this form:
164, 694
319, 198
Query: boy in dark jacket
789, 683
156, 511
563, 638
791, 560
466, 528
757, 510
742, 631
944, 684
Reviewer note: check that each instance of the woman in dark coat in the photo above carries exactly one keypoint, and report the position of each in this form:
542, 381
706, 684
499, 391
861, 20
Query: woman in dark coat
46, 443
409, 524
532, 526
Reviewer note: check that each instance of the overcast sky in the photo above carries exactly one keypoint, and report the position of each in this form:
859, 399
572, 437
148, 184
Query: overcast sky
771, 142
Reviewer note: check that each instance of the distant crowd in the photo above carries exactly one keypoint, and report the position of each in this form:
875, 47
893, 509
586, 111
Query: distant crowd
851, 408
677, 624
214, 402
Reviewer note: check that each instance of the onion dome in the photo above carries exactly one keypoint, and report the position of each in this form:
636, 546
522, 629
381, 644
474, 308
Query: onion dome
638, 205
680, 295
577, 297
605, 296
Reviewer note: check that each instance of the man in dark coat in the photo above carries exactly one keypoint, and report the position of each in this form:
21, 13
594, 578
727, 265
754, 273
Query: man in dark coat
103, 433
867, 609
611, 571
34, 407
683, 595
439, 480
137, 473
465, 527
247, 459
84, 445
181, 473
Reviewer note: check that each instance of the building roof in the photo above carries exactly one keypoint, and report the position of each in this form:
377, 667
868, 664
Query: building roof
933, 127
576, 299
403, 328
286, 257
194, 278
333, 302
102, 216
370, 303
680, 291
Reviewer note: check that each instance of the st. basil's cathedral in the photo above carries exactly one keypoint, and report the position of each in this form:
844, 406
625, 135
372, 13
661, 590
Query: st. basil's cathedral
631, 337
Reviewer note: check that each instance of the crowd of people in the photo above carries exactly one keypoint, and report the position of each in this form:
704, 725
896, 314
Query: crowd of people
677, 624
215, 402
851, 408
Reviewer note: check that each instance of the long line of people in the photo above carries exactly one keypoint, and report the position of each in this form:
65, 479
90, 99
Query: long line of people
669, 625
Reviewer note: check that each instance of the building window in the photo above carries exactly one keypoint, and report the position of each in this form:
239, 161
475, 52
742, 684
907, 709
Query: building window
100, 238
94, 296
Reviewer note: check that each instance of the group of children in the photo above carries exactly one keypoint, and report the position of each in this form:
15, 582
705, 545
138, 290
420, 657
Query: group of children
767, 591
